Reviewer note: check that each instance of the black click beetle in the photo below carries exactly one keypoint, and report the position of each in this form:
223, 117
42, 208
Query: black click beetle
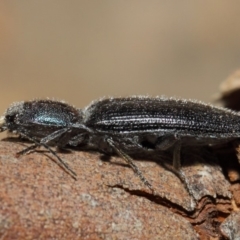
123, 126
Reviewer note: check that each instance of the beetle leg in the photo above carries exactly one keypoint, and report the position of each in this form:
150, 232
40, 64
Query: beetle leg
129, 160
177, 167
27, 150
62, 163
45, 140
166, 142
76, 140
177, 156
175, 142
53, 136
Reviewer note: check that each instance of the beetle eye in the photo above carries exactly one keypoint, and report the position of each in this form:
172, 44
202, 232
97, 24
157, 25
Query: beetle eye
10, 118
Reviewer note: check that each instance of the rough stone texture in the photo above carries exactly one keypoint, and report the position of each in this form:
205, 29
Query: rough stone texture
231, 226
39, 200
235, 188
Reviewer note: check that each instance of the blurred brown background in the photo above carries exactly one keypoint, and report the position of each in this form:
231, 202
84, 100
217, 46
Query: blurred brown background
81, 50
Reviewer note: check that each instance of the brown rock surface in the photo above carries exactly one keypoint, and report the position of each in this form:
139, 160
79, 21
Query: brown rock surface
39, 200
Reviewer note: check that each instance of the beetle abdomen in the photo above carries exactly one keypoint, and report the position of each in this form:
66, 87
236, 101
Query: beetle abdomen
160, 114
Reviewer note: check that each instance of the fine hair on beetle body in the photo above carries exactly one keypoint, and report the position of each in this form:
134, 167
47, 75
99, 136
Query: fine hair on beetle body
123, 126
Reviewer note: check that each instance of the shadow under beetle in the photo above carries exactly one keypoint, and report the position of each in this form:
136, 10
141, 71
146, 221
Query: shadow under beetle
123, 126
